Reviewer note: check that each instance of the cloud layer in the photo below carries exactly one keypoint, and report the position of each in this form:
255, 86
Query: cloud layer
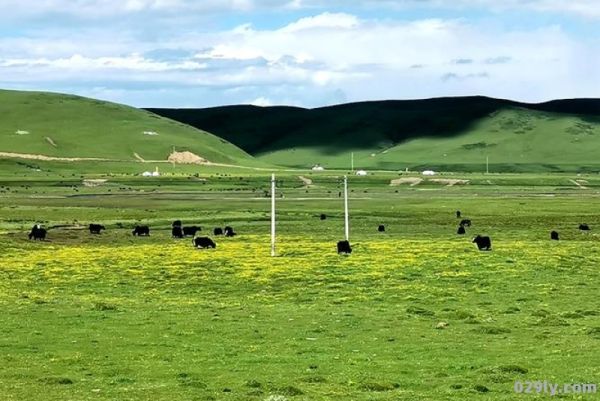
100, 8
318, 57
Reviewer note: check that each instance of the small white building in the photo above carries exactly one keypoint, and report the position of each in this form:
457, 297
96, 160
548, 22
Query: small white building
318, 167
154, 173
429, 172
362, 173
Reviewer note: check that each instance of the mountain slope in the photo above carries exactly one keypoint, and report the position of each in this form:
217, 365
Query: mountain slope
65, 126
446, 133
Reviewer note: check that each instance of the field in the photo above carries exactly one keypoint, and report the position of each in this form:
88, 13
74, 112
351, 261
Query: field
415, 313
67, 126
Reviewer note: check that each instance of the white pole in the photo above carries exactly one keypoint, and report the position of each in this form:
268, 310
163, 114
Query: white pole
487, 164
273, 215
352, 162
346, 215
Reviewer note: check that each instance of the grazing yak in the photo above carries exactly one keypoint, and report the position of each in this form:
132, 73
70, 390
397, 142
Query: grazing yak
323, 217
203, 242
177, 232
461, 230
465, 223
229, 232
38, 233
381, 228
554, 236
458, 214
176, 223
584, 227
141, 231
483, 243
191, 231
218, 231
344, 248
96, 228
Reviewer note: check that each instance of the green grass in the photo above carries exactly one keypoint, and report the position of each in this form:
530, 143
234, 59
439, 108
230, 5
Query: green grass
413, 314
535, 141
449, 134
88, 128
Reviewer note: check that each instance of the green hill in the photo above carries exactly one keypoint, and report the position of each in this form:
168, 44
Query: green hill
443, 133
65, 126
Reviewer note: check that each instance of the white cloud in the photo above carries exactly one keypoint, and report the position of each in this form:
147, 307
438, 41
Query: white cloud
328, 57
261, 101
323, 21
583, 8
106, 8
78, 62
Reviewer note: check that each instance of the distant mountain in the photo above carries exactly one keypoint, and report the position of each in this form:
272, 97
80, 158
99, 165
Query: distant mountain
65, 126
444, 133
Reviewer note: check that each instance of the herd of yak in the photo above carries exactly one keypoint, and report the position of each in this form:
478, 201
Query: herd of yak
484, 243
177, 231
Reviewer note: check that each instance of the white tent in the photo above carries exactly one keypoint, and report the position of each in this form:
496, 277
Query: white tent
429, 172
361, 173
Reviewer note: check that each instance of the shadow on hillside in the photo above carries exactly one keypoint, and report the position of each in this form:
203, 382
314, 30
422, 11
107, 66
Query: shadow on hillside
341, 128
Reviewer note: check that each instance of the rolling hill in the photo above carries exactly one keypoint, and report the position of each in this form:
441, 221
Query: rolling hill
444, 133
53, 126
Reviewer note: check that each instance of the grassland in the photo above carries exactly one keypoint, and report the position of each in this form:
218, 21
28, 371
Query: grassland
448, 134
67, 126
415, 313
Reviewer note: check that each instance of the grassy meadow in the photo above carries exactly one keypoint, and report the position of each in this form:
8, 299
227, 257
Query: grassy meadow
67, 126
446, 134
415, 313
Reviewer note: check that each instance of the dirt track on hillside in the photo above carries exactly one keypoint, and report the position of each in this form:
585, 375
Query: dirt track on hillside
49, 158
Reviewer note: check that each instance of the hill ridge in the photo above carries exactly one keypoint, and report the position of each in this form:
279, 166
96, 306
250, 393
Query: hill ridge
66, 127
395, 134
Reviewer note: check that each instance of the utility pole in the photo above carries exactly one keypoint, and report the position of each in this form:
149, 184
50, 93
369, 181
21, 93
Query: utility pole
487, 164
352, 162
272, 215
346, 214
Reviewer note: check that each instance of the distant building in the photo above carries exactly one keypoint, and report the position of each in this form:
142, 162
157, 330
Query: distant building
429, 172
361, 173
318, 167
154, 173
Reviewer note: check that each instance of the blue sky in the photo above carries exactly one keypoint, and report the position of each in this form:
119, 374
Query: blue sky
310, 53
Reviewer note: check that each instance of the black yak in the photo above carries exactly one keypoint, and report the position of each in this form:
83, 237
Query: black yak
96, 228
141, 231
381, 228
191, 231
229, 232
218, 231
177, 232
203, 242
483, 243
584, 227
465, 223
176, 223
554, 236
461, 230
38, 233
458, 214
323, 217
344, 248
